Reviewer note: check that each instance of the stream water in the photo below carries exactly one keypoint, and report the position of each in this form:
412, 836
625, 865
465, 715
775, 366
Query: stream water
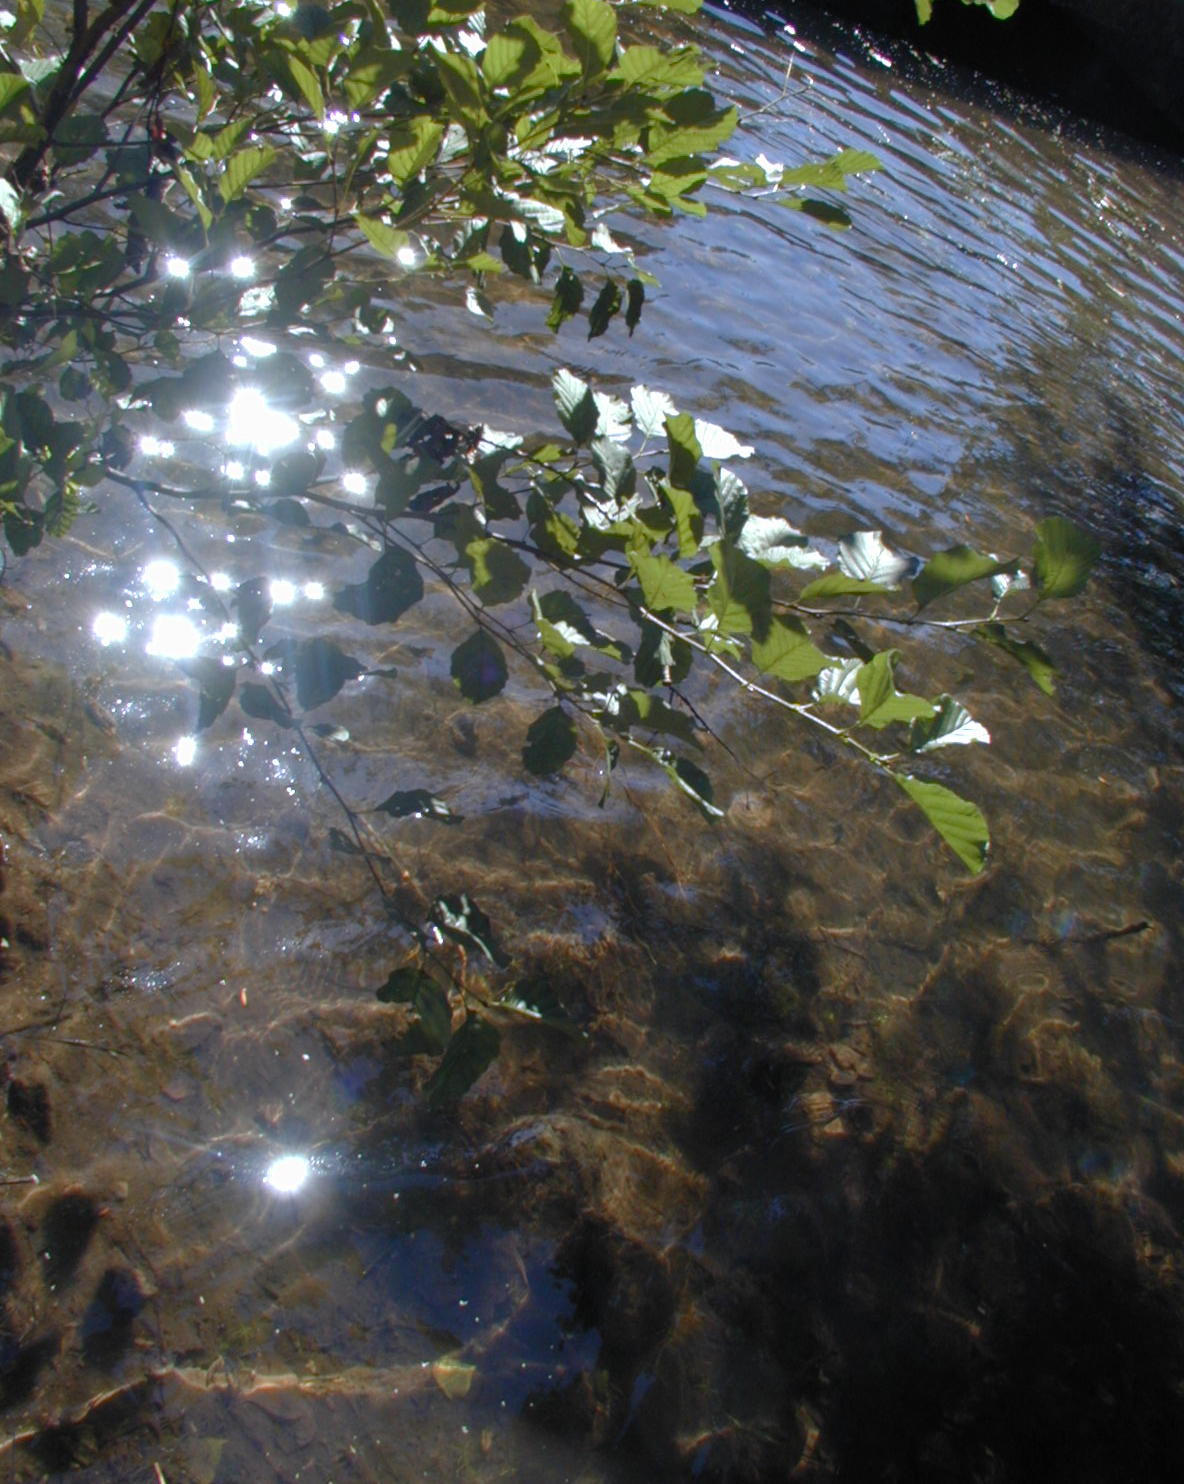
860, 1168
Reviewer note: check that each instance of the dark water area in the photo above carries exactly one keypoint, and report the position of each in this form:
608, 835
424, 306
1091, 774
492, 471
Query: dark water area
847, 1166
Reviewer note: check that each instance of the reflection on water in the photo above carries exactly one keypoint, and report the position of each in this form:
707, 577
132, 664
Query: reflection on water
845, 1166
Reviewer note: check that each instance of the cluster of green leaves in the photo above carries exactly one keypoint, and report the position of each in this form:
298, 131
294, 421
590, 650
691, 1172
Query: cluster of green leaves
335, 150
630, 549
1002, 10
169, 141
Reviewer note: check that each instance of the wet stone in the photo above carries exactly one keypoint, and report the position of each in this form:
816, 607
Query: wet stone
28, 1105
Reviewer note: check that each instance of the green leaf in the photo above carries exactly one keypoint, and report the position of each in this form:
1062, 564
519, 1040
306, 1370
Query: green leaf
416, 803
508, 58
470, 1052
576, 406
1037, 663
462, 85
835, 585
1064, 558
11, 207
635, 290
458, 917
392, 586
952, 569
551, 741
688, 519
412, 145
23, 529
788, 652
320, 669
216, 682
593, 27
382, 237
78, 136
569, 295
691, 780
650, 410
537, 1000
951, 725
600, 316
432, 1028
478, 667
570, 626
880, 703
427, 1001
664, 585
12, 85
864, 556
661, 658
639, 708
241, 170
651, 66
685, 450
960, 824
775, 543
260, 702
308, 84
739, 595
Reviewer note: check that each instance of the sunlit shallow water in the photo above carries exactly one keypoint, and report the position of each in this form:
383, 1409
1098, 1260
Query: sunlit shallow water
859, 1169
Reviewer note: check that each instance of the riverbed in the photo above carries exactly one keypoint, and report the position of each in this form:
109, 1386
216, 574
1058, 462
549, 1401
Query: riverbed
839, 1163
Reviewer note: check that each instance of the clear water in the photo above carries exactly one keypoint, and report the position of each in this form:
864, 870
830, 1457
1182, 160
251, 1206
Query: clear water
862, 1170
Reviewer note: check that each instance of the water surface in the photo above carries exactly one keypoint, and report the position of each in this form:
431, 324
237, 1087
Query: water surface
859, 1169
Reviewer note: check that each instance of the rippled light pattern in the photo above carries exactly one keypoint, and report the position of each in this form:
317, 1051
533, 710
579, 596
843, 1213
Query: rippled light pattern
287, 1173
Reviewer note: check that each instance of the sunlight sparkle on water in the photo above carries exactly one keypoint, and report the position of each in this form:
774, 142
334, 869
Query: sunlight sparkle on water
161, 578
174, 637
260, 349
333, 382
176, 267
406, 256
234, 470
220, 582
314, 591
281, 592
185, 750
287, 1173
353, 482
109, 628
159, 447
241, 267
325, 439
199, 421
251, 423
